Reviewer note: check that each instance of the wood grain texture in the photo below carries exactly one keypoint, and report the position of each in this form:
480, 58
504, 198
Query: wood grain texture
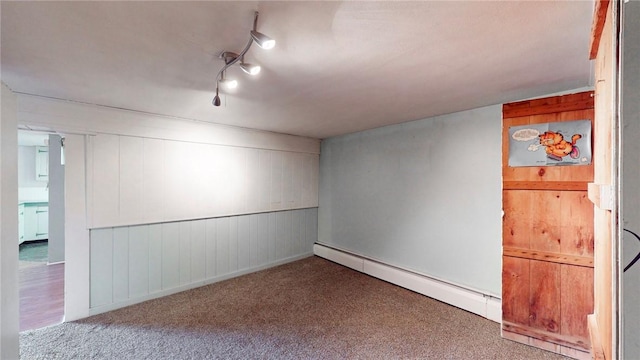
547, 219
576, 232
547, 185
544, 296
554, 338
599, 17
605, 76
515, 283
516, 223
548, 237
558, 258
576, 300
550, 105
594, 335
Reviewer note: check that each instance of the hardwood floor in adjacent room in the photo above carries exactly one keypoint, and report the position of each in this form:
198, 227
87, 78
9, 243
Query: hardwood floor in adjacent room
41, 296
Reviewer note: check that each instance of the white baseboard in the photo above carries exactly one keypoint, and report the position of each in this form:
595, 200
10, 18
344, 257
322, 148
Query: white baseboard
473, 301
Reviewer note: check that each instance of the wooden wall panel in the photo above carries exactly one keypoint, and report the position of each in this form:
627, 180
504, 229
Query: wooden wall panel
184, 238
170, 255
120, 264
577, 228
152, 204
546, 220
516, 222
198, 250
134, 263
576, 301
211, 246
548, 237
105, 178
138, 261
134, 180
544, 296
155, 258
516, 280
101, 277
131, 179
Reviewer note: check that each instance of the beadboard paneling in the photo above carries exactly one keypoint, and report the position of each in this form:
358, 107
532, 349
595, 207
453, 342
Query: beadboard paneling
136, 180
135, 263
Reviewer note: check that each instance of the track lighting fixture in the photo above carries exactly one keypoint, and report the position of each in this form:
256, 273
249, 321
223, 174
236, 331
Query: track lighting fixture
231, 58
250, 68
263, 40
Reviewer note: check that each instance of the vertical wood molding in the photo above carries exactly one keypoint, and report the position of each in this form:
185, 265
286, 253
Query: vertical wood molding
77, 253
599, 17
604, 323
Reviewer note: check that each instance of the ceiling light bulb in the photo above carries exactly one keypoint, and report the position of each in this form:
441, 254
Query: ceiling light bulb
250, 68
263, 40
229, 83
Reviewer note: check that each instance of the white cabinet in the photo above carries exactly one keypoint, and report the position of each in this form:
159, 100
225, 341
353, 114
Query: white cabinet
20, 223
42, 163
35, 224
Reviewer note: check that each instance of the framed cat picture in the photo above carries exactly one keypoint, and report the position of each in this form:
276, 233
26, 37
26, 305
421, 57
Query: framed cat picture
550, 144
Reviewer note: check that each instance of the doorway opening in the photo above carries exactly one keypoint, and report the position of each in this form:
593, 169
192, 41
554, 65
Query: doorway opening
40, 229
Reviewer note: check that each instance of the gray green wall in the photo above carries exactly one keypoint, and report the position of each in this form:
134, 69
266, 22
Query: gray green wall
423, 195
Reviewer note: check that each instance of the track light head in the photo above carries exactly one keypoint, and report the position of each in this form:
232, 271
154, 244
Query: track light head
250, 68
263, 40
228, 83
216, 99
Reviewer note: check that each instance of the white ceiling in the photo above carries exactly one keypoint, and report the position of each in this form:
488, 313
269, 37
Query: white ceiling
338, 67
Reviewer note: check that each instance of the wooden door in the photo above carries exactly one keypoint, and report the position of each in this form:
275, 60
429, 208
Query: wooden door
548, 238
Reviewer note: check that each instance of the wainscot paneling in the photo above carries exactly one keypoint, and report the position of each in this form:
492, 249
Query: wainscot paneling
131, 264
135, 180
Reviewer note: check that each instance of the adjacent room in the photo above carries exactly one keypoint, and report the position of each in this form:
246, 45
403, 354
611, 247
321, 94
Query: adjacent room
318, 180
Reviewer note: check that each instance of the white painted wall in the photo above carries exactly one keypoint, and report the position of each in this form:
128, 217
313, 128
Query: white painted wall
423, 196
70, 117
135, 180
135, 263
631, 178
9, 325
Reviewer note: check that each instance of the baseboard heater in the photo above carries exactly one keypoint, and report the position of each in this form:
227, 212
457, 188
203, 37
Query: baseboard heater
476, 302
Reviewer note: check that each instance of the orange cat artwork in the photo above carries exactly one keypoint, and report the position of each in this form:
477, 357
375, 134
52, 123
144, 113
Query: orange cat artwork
557, 147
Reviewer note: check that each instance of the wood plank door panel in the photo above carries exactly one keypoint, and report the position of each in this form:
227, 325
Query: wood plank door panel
548, 238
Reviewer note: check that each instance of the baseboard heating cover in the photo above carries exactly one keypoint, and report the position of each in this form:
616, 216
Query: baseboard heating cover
476, 302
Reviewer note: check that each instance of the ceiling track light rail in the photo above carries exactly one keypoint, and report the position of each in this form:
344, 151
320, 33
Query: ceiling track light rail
231, 58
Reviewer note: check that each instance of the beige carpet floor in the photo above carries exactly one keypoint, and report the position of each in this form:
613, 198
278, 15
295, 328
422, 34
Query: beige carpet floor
308, 309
